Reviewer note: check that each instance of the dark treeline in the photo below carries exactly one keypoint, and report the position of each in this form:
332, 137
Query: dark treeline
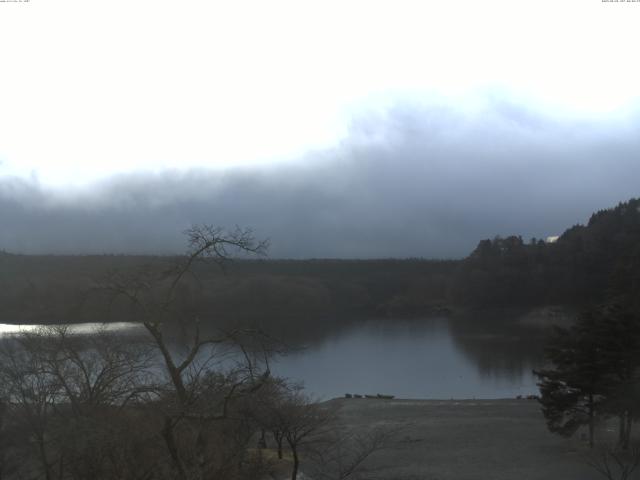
283, 293
580, 268
586, 265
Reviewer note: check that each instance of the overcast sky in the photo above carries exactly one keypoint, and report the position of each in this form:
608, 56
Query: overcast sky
334, 128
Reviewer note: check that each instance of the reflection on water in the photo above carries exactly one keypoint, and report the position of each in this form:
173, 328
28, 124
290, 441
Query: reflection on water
80, 328
408, 359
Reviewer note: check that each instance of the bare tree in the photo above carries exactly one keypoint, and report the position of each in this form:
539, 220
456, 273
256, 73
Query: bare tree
301, 421
614, 463
31, 396
342, 455
102, 406
267, 410
67, 393
94, 369
195, 395
153, 294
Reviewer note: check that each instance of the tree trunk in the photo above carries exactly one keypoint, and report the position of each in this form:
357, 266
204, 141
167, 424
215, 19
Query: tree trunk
61, 468
43, 459
591, 421
622, 429
167, 433
627, 430
278, 438
174, 372
296, 463
262, 441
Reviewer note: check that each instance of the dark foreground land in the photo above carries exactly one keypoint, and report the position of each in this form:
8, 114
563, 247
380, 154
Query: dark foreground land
469, 439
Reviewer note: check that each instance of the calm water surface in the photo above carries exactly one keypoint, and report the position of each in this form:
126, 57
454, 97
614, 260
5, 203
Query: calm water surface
409, 360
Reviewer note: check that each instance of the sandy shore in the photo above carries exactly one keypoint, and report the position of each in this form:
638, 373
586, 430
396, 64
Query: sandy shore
469, 439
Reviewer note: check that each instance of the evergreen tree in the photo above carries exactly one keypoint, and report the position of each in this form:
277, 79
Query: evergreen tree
595, 373
572, 391
617, 333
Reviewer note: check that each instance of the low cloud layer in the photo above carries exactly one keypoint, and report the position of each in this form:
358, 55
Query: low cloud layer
412, 181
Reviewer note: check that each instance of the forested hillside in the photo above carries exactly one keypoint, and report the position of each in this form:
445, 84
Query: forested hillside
585, 265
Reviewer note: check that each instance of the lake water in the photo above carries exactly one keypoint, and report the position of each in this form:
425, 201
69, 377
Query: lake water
417, 359
408, 359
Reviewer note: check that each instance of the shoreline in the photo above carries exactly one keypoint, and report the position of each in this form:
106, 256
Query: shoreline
467, 439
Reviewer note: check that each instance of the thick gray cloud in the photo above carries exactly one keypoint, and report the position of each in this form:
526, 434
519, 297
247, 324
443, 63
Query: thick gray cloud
413, 181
